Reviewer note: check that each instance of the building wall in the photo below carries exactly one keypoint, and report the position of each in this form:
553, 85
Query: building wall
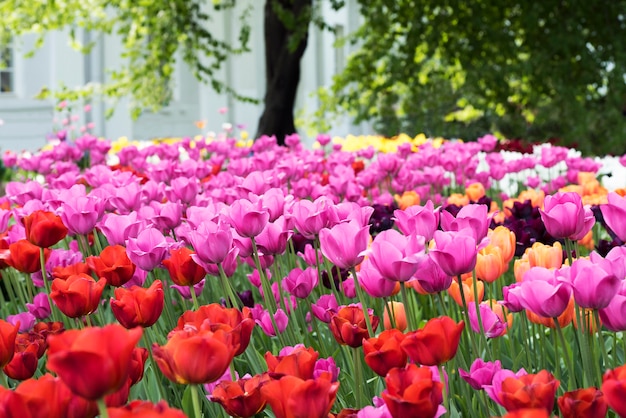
27, 122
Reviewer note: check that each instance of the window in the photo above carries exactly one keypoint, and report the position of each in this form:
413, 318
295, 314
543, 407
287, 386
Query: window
7, 73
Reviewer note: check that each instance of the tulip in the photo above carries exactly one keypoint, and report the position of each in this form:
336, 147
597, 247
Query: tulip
273, 238
183, 270
300, 362
542, 293
594, 284
292, 397
81, 214
25, 257
583, 403
546, 256
77, 296
614, 213
614, 389
435, 343
383, 353
492, 325
137, 306
373, 282
418, 220
468, 290
490, 264
394, 255
8, 333
503, 238
145, 409
472, 217
399, 316
344, 243
93, 362
242, 398
529, 391
116, 228
311, 217
455, 252
481, 373
64, 272
325, 307
148, 249
248, 218
214, 316
349, 327
211, 241
300, 283
44, 229
40, 308
412, 392
264, 320
24, 363
430, 276
113, 264
195, 356
565, 217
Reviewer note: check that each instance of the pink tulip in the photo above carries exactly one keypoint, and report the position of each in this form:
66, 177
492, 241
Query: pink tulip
614, 214
594, 283
455, 252
126, 199
80, 214
184, 189
565, 217
344, 243
481, 373
248, 218
472, 217
373, 282
394, 254
300, 283
168, 215
212, 241
430, 275
613, 316
274, 237
273, 200
117, 228
311, 217
492, 325
324, 306
543, 293
40, 308
263, 319
148, 249
418, 220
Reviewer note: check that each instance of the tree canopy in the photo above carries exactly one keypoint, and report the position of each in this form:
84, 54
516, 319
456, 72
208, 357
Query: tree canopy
530, 70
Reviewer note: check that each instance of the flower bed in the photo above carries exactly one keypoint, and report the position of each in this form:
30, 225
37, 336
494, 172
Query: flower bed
407, 278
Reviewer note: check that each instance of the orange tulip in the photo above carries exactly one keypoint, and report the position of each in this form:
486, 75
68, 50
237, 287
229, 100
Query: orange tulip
399, 315
528, 413
520, 267
490, 264
408, 198
475, 191
77, 296
435, 343
468, 290
195, 356
383, 353
113, 264
44, 229
93, 362
548, 256
503, 238
564, 319
138, 306
458, 199
292, 397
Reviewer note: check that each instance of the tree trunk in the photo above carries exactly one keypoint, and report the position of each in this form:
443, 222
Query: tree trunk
282, 68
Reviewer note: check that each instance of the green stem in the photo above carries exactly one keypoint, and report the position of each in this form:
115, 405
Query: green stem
568, 359
361, 297
102, 407
195, 399
467, 319
358, 380
194, 298
407, 305
46, 283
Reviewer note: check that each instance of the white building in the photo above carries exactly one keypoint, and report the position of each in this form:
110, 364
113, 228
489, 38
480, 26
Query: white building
25, 122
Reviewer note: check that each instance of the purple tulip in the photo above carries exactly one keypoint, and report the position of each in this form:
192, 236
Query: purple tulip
263, 319
492, 325
211, 241
148, 249
40, 308
481, 373
471, 217
274, 237
81, 213
394, 254
25, 319
324, 306
430, 275
248, 218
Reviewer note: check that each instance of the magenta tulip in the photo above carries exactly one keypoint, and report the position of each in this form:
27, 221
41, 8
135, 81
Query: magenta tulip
418, 220
614, 214
543, 293
344, 243
300, 283
148, 249
564, 216
594, 283
471, 217
481, 373
248, 218
455, 252
394, 254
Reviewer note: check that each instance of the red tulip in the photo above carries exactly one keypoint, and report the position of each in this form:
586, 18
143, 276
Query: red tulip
242, 398
583, 403
292, 397
412, 392
435, 343
529, 391
137, 364
13, 405
214, 316
64, 272
348, 325
614, 389
93, 362
25, 257
77, 296
138, 306
24, 362
383, 353
195, 356
300, 363
8, 333
113, 264
44, 229
183, 270
145, 409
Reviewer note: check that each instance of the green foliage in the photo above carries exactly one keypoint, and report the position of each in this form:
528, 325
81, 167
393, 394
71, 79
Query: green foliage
153, 33
533, 70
